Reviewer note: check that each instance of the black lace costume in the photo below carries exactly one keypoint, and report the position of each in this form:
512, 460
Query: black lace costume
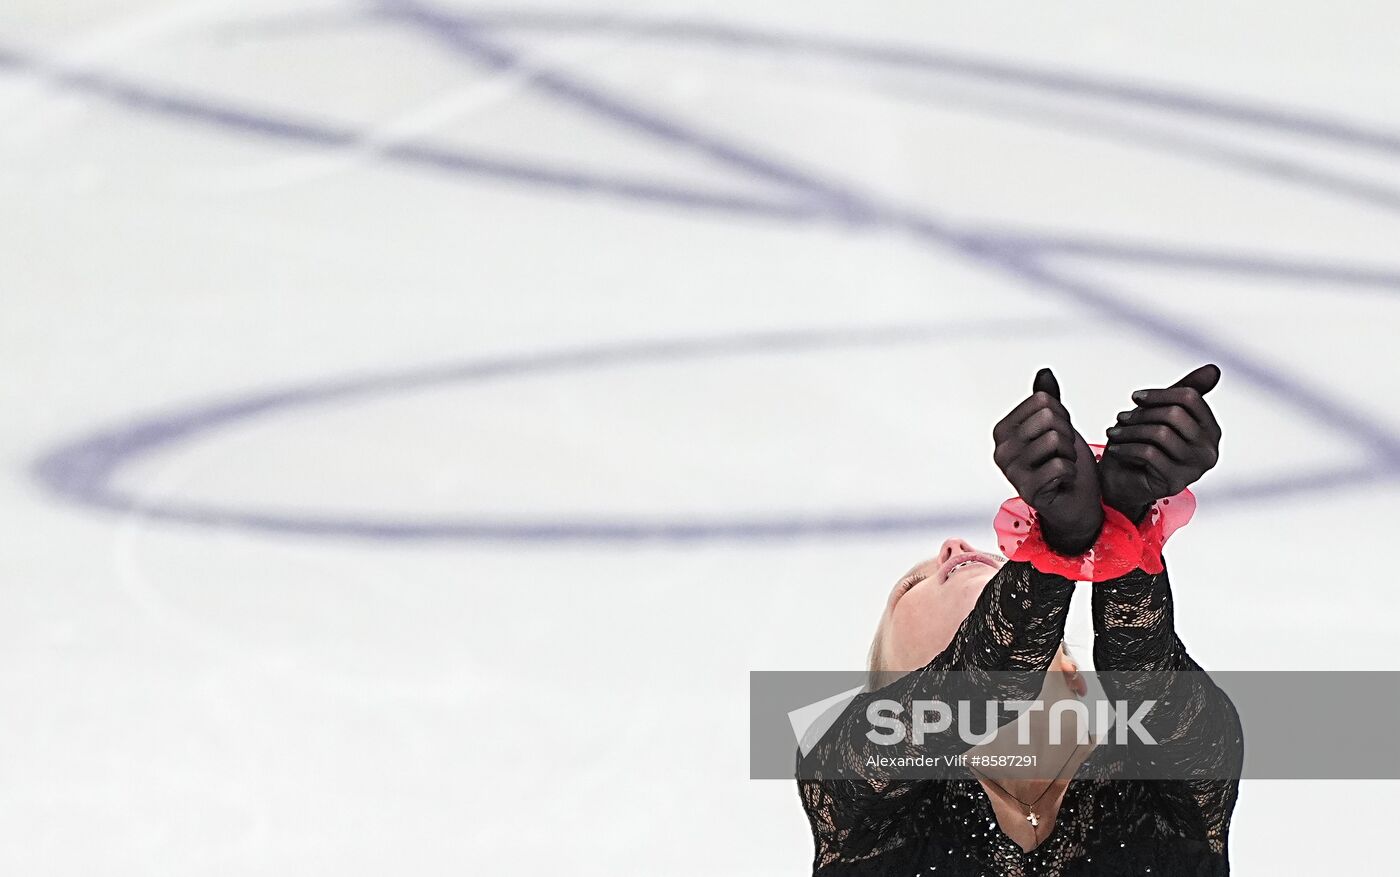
867, 823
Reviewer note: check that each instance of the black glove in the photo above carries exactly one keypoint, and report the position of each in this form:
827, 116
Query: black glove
1051, 467
1162, 446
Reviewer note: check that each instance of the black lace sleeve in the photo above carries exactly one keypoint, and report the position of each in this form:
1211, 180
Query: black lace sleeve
854, 806
1194, 723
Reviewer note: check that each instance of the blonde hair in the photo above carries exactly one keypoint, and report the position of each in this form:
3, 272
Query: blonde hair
876, 676
872, 662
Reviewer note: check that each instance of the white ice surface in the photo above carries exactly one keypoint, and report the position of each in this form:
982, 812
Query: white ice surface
186, 699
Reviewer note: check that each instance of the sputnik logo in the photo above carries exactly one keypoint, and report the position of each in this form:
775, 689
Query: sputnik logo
810, 722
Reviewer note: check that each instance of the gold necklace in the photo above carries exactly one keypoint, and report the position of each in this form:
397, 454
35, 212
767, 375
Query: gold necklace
1031, 816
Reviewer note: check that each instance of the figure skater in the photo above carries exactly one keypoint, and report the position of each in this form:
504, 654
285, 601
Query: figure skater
1099, 518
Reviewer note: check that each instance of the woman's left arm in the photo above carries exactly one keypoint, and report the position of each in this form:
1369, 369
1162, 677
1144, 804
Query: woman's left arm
1195, 725
1157, 450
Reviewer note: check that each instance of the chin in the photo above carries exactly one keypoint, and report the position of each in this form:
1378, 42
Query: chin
975, 581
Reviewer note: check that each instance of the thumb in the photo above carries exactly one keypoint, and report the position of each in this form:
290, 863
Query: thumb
1202, 380
1045, 382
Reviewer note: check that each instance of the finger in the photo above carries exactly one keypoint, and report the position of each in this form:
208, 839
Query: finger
1199, 429
1038, 483
1006, 453
1041, 422
1206, 417
1184, 396
1053, 443
1159, 434
1009, 454
1151, 458
1033, 403
1202, 380
1175, 416
1007, 425
1045, 382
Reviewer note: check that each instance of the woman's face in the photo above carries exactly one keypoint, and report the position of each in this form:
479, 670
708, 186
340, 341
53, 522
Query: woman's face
929, 604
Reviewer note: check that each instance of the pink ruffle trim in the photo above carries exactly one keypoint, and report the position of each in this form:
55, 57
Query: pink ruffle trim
1121, 547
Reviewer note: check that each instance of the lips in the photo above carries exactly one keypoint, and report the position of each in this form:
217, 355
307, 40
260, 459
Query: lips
947, 567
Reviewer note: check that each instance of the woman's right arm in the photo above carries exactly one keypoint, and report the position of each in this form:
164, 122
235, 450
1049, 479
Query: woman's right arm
1001, 652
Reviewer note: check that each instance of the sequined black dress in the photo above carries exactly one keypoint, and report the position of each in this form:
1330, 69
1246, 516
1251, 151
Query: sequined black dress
865, 823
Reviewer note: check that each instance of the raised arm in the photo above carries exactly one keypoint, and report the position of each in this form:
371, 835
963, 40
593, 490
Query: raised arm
1194, 724
1160, 447
1013, 631
851, 784
1000, 652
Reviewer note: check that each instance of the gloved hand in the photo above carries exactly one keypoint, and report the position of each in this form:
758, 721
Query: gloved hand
1051, 467
1162, 446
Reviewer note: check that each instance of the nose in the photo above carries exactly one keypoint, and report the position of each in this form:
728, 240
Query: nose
952, 547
